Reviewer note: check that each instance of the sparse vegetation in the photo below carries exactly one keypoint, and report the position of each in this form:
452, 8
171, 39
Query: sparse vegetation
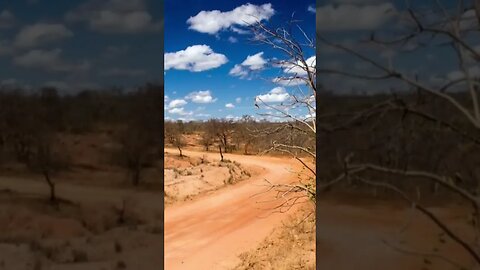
79, 145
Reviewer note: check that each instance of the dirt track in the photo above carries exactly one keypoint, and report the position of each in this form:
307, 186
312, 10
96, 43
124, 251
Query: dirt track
209, 232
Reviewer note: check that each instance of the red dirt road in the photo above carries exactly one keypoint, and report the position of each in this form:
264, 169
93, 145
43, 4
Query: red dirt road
209, 232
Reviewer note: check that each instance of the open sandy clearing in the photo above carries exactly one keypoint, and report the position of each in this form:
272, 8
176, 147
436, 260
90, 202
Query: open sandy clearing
190, 176
210, 232
349, 233
83, 234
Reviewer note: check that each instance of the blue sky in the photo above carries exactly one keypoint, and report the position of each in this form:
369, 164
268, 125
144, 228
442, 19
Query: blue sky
201, 82
351, 21
80, 43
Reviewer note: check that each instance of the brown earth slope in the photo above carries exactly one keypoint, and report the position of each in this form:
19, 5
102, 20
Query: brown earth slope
210, 232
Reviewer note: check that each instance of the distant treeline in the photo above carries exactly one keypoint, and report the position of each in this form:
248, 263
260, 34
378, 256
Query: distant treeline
78, 112
32, 126
245, 135
405, 132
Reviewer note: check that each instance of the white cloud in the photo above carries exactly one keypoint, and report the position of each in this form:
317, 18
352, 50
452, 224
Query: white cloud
251, 63
238, 99
311, 9
299, 69
211, 22
115, 16
229, 106
179, 111
277, 94
201, 97
166, 98
41, 33
194, 58
309, 116
7, 19
232, 39
351, 17
238, 71
232, 117
202, 115
296, 74
288, 81
177, 103
49, 60
239, 30
255, 62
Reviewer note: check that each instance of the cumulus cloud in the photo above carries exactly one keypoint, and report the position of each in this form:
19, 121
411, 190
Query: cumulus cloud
277, 94
238, 71
311, 9
49, 60
41, 33
7, 19
352, 17
180, 111
238, 99
296, 74
201, 97
255, 62
299, 69
177, 103
211, 22
251, 63
115, 16
229, 106
194, 58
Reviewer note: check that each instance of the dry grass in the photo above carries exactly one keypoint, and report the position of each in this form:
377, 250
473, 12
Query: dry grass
291, 246
187, 177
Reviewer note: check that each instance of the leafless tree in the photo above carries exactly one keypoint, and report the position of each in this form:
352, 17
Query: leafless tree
243, 133
298, 72
457, 96
31, 129
206, 139
222, 130
174, 134
47, 159
141, 134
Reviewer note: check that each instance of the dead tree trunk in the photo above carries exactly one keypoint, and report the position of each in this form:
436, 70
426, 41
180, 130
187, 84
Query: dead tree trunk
51, 185
221, 154
246, 148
